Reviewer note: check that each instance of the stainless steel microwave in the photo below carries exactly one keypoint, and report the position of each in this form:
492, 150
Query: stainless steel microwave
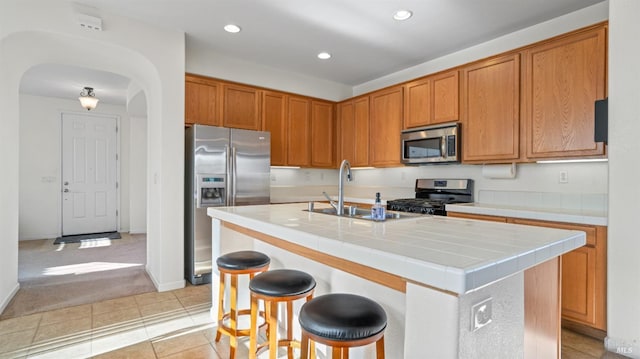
433, 144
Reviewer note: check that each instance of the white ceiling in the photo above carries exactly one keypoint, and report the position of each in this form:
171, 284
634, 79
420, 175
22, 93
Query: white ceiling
366, 43
63, 81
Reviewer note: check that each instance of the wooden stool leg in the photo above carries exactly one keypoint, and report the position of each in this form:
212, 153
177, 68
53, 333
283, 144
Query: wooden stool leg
312, 345
290, 329
380, 348
253, 336
273, 330
304, 346
220, 305
336, 353
233, 319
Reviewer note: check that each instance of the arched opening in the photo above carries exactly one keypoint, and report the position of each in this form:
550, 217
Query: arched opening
53, 275
49, 47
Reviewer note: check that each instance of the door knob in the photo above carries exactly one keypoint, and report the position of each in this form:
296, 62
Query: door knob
65, 190
66, 183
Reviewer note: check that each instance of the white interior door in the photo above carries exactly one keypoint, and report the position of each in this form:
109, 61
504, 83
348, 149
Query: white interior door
89, 177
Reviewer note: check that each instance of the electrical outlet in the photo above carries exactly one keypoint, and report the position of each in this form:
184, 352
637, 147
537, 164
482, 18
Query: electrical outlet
481, 314
563, 177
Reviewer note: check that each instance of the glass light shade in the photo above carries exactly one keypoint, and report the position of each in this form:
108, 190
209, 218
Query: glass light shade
88, 102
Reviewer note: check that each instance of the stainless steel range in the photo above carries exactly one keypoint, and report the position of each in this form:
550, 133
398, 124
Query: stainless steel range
433, 194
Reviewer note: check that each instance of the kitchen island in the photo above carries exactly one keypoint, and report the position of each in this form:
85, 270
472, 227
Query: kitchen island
429, 273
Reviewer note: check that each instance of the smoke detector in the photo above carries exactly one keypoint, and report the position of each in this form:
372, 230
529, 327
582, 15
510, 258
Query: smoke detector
88, 22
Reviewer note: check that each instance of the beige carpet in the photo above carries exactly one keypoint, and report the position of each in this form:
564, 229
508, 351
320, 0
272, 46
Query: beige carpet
57, 276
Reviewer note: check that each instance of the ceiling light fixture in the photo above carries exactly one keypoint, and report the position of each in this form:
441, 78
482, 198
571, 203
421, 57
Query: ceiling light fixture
324, 55
88, 98
402, 15
232, 28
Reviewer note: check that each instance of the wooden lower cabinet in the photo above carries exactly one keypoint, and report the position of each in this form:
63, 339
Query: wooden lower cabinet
584, 274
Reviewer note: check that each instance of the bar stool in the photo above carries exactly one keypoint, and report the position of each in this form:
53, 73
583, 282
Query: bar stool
342, 321
234, 264
274, 287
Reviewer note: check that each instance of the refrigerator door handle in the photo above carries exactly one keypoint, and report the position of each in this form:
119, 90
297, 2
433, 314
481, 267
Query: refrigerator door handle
229, 185
234, 164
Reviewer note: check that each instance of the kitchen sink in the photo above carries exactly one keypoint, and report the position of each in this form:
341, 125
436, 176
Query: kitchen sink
362, 213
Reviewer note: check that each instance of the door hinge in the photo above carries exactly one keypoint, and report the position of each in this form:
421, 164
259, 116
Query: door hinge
116, 156
116, 212
117, 185
116, 129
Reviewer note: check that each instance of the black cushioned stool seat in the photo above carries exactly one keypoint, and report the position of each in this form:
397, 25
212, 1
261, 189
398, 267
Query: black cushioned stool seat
273, 287
343, 321
234, 264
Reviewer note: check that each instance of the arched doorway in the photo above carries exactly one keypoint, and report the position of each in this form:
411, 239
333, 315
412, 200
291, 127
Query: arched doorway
164, 255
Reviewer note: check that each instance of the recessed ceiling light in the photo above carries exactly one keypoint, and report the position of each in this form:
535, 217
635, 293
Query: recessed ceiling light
232, 28
401, 15
324, 55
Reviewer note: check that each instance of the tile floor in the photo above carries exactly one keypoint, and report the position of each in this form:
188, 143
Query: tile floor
92, 329
173, 324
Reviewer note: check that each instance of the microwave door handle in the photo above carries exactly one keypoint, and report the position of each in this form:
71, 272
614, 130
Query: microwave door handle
443, 146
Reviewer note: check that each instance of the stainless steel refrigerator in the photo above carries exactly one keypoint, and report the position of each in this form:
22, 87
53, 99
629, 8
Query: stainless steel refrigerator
223, 167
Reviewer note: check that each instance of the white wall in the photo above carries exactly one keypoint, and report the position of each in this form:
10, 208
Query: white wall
545, 30
138, 175
126, 47
584, 178
204, 61
40, 163
623, 292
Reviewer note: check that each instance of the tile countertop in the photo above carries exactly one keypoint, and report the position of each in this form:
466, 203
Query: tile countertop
592, 217
451, 254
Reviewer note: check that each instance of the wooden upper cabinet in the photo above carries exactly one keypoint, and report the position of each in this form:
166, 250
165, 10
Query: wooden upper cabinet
241, 108
274, 105
386, 126
418, 103
353, 134
323, 134
491, 110
563, 79
431, 100
299, 131
202, 99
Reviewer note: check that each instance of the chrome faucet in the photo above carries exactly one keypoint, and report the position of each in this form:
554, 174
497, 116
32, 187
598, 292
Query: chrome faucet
344, 165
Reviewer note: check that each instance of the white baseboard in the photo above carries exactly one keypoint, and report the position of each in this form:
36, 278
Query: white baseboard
138, 231
7, 299
163, 287
32, 237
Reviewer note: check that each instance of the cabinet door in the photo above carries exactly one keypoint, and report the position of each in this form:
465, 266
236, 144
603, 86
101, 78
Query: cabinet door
353, 120
386, 125
202, 102
563, 80
322, 135
274, 121
241, 107
299, 127
431, 100
491, 110
446, 96
418, 103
